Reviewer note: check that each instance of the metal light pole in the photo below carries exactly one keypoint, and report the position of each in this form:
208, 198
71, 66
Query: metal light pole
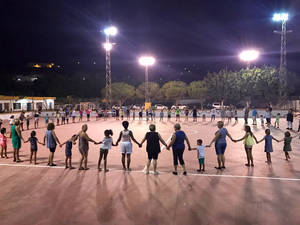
110, 31
147, 61
283, 18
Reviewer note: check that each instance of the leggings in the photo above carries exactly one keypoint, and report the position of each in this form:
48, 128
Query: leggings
178, 155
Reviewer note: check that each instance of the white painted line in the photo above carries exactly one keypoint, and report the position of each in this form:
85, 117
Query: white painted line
164, 172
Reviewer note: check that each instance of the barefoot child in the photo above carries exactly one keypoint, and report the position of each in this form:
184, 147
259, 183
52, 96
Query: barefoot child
287, 144
3, 143
201, 155
276, 125
68, 151
106, 144
153, 149
33, 146
126, 145
248, 143
268, 144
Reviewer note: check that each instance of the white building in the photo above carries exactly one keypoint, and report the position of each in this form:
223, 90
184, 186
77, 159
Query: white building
14, 103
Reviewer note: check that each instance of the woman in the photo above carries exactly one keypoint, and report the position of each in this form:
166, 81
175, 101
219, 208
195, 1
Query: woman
220, 144
16, 137
177, 143
52, 141
83, 146
153, 149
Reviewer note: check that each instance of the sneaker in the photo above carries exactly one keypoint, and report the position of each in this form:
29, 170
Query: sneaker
155, 173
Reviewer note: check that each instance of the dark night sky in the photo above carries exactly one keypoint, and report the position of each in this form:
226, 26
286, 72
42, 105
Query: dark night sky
199, 35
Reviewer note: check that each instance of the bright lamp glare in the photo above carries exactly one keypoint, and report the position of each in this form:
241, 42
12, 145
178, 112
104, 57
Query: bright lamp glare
249, 55
146, 60
111, 31
281, 17
107, 46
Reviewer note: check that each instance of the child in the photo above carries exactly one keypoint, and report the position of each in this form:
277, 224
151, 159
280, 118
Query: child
126, 145
201, 155
46, 119
11, 120
36, 120
140, 114
290, 119
133, 114
268, 144
186, 116
262, 120
106, 144
287, 144
73, 115
122, 114
169, 114
248, 143
57, 118
33, 146
203, 116
276, 125
52, 117
153, 149
68, 151
27, 121
3, 143
67, 118
236, 117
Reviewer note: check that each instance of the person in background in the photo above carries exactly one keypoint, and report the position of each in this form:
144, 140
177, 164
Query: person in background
262, 120
46, 119
268, 117
195, 114
213, 114
254, 116
276, 125
28, 121
290, 119
36, 119
22, 118
246, 114
73, 115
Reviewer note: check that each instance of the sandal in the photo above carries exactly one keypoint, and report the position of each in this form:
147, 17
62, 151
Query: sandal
184, 173
175, 173
80, 168
218, 168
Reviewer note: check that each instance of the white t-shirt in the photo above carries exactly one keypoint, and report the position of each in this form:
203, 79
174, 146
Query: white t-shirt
106, 143
213, 111
201, 151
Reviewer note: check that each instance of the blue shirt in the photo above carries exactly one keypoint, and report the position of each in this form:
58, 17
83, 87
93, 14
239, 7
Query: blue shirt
268, 143
222, 138
254, 112
179, 141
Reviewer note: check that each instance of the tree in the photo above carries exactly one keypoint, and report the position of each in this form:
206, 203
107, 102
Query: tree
197, 89
121, 92
174, 90
153, 90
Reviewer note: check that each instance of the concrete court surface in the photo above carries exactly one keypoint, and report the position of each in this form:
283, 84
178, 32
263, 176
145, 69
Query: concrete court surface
265, 194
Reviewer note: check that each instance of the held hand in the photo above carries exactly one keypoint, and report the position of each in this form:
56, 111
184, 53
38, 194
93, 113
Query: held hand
60, 146
189, 148
140, 145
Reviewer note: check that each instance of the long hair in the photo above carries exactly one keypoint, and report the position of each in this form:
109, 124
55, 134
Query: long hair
248, 130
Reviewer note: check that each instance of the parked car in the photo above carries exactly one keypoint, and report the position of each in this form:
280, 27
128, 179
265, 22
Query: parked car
136, 107
181, 107
217, 105
160, 107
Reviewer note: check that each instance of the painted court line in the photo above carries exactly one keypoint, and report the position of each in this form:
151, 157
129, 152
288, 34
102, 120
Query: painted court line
162, 172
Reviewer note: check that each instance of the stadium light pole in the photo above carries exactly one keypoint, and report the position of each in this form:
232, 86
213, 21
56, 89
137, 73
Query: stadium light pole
110, 31
249, 56
283, 18
147, 61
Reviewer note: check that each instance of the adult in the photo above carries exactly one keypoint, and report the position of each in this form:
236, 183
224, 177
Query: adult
51, 141
254, 116
220, 144
177, 143
268, 117
83, 146
290, 119
177, 114
195, 114
153, 148
213, 114
36, 119
22, 118
16, 137
246, 114
126, 136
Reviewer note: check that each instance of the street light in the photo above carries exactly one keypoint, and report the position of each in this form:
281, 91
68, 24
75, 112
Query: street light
146, 61
249, 56
109, 31
283, 18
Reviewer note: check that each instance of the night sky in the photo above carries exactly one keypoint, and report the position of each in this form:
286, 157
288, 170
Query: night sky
188, 37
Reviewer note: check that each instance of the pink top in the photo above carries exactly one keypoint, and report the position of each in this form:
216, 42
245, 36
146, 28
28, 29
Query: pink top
3, 140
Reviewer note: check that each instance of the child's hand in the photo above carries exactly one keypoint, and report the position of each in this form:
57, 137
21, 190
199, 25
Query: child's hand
60, 145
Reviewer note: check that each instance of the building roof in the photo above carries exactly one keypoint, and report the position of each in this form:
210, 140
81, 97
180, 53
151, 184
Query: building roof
39, 98
3, 97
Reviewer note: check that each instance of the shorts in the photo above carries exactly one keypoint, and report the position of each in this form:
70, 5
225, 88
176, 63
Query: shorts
36, 119
220, 148
68, 152
3, 145
169, 116
103, 150
153, 155
126, 147
177, 115
201, 161
33, 150
88, 115
52, 149
268, 120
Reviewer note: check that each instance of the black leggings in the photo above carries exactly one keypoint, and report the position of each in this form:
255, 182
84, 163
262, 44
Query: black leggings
178, 155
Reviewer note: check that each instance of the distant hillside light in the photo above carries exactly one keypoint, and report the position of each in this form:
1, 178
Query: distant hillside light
37, 66
249, 55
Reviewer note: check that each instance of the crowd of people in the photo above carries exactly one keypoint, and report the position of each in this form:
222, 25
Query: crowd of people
153, 139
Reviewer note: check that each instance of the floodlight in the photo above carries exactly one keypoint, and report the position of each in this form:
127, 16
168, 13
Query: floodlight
146, 60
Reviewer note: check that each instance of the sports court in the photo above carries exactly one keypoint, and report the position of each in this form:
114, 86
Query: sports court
264, 194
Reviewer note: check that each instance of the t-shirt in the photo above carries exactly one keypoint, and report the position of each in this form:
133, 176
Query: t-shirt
213, 111
222, 138
254, 112
201, 151
106, 143
179, 141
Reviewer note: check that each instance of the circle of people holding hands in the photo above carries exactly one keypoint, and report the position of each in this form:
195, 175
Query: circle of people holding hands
153, 139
